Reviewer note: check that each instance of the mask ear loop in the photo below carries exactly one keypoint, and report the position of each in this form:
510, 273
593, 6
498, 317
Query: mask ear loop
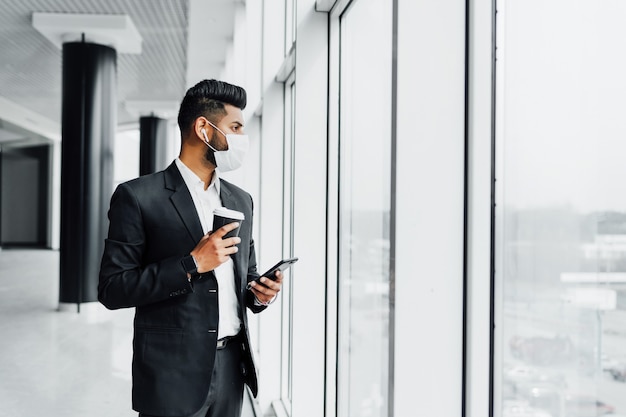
216, 128
206, 141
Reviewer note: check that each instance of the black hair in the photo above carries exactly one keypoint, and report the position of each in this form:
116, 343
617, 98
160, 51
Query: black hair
207, 98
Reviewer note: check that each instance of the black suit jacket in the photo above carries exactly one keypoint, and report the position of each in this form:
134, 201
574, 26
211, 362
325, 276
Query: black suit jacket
153, 225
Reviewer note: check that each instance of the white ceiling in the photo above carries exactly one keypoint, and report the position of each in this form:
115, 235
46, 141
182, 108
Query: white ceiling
175, 47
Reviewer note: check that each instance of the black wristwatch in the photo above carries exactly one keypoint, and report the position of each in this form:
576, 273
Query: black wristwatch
190, 266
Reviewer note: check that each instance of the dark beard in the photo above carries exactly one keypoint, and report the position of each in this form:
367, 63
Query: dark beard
209, 155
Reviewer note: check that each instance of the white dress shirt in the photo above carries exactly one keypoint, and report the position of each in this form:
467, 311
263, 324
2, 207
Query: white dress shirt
206, 201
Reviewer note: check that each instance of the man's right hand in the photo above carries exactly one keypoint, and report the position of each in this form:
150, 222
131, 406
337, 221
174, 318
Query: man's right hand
213, 250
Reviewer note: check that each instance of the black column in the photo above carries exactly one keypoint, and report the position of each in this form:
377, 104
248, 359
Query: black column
152, 144
88, 129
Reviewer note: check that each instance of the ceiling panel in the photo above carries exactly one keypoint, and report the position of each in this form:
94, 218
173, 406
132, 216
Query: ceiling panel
30, 65
8, 136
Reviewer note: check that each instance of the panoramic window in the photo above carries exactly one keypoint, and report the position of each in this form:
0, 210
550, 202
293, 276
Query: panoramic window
560, 209
364, 200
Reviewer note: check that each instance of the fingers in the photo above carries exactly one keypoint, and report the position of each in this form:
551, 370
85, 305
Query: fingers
218, 242
231, 241
221, 232
225, 252
259, 295
212, 250
279, 277
273, 282
270, 286
267, 291
215, 244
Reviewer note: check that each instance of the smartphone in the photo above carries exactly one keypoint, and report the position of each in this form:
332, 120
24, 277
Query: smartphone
280, 266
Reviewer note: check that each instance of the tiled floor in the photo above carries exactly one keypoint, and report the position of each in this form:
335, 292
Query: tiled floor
57, 362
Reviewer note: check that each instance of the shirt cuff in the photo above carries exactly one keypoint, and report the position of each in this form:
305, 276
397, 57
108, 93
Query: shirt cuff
259, 303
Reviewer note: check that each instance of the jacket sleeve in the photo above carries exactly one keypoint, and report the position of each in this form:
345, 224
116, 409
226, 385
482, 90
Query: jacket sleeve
252, 275
252, 271
124, 280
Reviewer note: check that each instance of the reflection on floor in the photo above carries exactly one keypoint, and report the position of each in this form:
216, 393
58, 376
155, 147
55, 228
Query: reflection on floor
57, 362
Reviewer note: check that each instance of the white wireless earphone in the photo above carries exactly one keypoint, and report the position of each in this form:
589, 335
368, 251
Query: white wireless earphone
206, 138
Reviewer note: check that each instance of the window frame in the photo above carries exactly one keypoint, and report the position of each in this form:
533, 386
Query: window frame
288, 241
480, 291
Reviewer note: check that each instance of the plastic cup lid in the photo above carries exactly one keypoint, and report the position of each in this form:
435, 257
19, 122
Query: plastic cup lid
228, 213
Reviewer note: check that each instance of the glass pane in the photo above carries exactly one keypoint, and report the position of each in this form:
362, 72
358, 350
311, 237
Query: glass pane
561, 211
365, 143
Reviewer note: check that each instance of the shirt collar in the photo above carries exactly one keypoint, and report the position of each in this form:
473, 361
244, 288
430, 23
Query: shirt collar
192, 180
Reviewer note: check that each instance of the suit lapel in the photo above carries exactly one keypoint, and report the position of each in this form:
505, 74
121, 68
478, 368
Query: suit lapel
229, 201
181, 199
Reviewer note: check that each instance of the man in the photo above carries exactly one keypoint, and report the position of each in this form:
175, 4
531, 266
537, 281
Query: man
188, 283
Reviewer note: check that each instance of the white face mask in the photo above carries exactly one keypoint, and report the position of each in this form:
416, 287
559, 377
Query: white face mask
232, 158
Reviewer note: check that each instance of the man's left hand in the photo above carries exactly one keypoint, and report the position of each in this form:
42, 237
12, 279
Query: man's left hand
268, 289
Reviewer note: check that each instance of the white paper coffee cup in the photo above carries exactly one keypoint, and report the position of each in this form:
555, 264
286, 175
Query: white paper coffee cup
223, 216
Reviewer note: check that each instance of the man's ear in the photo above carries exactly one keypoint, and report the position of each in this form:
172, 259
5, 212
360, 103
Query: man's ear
200, 127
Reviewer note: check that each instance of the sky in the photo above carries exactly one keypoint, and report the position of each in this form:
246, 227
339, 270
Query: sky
561, 125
